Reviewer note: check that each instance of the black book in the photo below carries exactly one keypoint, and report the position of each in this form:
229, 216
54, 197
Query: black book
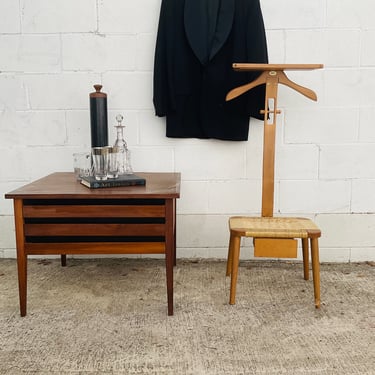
126, 180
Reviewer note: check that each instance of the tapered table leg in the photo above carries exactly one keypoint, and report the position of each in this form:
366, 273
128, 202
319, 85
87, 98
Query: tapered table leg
63, 260
21, 256
22, 282
174, 233
169, 252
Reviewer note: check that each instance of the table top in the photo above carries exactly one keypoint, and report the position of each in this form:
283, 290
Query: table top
63, 185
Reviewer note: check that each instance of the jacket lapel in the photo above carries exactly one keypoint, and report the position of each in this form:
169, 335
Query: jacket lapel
207, 26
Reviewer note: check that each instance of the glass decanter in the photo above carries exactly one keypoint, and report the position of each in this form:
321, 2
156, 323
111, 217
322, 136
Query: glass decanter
123, 153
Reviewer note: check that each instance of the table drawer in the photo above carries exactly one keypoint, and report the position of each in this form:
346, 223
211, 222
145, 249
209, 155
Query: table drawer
94, 210
83, 229
99, 220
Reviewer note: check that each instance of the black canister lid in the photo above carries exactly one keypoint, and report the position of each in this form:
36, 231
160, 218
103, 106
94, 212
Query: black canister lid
97, 93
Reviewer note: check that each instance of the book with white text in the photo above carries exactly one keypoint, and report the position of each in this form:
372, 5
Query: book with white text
125, 180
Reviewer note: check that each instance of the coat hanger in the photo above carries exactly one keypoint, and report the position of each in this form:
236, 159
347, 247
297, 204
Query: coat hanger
273, 70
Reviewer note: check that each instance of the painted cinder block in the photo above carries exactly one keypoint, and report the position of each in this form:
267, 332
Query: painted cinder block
195, 198
316, 45
13, 93
294, 14
367, 51
31, 53
98, 53
314, 196
129, 90
366, 126
203, 231
211, 160
340, 254
152, 130
363, 196
321, 125
144, 54
347, 161
6, 207
44, 16
347, 230
349, 14
118, 16
33, 127
60, 91
8, 232
152, 159
343, 88
362, 254
305, 167
10, 16
235, 197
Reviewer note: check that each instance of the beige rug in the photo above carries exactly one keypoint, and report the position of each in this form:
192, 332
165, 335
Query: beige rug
108, 316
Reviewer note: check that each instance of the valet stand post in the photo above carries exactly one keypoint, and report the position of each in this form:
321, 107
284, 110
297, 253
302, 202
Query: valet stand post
270, 117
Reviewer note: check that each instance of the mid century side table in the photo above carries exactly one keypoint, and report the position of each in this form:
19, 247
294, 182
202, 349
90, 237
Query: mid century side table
58, 215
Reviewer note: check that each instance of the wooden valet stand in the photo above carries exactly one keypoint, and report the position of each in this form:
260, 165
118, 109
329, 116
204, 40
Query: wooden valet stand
274, 237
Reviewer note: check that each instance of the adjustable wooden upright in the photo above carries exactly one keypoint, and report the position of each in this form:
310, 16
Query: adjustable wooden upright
274, 237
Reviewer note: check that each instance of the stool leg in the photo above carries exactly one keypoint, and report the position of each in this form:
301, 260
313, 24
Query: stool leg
315, 270
305, 255
236, 242
230, 256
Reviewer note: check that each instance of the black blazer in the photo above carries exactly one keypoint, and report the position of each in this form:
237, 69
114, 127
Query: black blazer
197, 42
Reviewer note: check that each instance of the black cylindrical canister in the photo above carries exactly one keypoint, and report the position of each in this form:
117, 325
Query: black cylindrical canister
98, 118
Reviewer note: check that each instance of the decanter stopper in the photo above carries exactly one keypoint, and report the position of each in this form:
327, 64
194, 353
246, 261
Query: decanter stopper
119, 119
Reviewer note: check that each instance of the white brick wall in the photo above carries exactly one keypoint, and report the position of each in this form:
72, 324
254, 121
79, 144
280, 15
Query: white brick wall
51, 53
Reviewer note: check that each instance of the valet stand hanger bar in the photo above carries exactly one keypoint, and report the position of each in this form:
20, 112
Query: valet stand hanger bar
273, 236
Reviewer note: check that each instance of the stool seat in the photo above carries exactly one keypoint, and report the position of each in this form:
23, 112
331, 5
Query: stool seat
273, 227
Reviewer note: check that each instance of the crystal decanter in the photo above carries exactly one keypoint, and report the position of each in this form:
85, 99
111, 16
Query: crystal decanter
121, 148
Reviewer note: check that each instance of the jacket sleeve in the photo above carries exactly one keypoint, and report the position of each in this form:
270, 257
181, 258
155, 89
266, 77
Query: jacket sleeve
160, 80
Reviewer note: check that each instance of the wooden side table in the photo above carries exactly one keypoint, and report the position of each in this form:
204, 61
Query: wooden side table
58, 215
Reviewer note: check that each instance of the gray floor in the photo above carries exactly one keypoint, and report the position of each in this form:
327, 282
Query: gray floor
108, 316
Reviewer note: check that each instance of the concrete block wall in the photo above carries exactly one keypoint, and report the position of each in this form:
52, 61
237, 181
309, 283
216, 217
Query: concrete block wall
51, 54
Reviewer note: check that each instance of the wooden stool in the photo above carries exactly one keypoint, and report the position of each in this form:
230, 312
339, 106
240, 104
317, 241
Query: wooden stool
273, 237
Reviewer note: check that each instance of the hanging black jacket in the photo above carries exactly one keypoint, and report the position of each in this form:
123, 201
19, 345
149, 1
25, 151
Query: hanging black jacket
197, 42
